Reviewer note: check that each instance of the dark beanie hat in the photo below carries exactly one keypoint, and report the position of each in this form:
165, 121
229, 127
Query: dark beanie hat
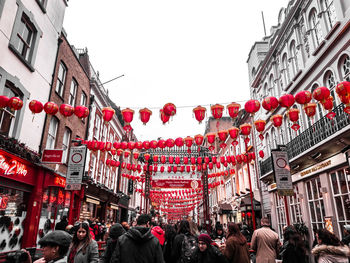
205, 238
116, 231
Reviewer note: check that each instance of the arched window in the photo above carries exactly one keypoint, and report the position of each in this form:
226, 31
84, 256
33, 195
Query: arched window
345, 67
268, 144
253, 73
274, 139
331, 16
293, 57
315, 28
285, 69
330, 83
272, 86
266, 93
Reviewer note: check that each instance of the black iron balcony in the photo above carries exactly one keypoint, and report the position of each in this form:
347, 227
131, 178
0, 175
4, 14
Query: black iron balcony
317, 133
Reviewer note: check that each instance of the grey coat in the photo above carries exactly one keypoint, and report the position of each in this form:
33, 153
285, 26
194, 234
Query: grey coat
90, 256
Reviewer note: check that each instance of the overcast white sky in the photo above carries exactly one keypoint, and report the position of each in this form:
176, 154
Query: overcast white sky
188, 52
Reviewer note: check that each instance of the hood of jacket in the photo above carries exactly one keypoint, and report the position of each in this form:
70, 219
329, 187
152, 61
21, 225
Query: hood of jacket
321, 250
140, 234
157, 230
116, 231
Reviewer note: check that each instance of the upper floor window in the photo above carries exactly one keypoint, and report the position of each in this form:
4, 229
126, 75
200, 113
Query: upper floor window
331, 83
272, 86
285, 69
73, 92
330, 13
345, 68
266, 92
65, 144
315, 27
83, 99
97, 127
61, 78
25, 36
92, 166
294, 59
51, 136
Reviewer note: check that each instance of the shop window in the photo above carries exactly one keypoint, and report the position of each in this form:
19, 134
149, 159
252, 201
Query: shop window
315, 28
294, 204
13, 211
25, 36
281, 215
61, 79
83, 99
51, 136
65, 144
315, 203
73, 92
340, 184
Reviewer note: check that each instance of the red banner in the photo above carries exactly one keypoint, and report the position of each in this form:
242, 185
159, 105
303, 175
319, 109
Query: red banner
171, 183
52, 156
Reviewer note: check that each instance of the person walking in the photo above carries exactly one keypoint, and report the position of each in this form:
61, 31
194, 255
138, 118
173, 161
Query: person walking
236, 249
115, 232
206, 252
83, 248
265, 242
62, 224
159, 233
329, 248
184, 243
293, 249
170, 234
138, 245
346, 239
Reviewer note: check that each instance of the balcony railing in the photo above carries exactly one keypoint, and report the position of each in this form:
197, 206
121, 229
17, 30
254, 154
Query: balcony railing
312, 136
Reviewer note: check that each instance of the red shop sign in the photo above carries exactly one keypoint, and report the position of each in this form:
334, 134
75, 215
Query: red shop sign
52, 156
60, 181
163, 183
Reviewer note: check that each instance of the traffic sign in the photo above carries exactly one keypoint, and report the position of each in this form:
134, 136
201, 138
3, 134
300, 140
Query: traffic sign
282, 173
75, 169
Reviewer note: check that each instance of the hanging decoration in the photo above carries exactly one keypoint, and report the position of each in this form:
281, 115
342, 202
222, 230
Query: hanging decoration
4, 101
128, 115
321, 94
233, 132
343, 91
198, 139
153, 144
328, 106
293, 115
261, 154
66, 110
276, 120
35, 106
179, 142
188, 141
50, 108
217, 111
107, 114
170, 143
211, 140
233, 109
222, 135
15, 103
270, 104
260, 127
310, 109
81, 112
245, 130
161, 144
165, 118
199, 113
286, 101
303, 97
169, 109
145, 115
252, 106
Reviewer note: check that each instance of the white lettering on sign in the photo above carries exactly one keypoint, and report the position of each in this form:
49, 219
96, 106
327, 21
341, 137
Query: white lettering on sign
12, 167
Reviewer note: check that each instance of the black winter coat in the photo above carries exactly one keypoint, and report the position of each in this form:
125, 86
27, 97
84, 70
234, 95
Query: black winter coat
110, 254
138, 245
177, 247
210, 255
293, 254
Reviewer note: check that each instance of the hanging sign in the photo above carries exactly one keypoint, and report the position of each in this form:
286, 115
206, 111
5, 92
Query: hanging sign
75, 169
282, 173
130, 187
163, 183
52, 156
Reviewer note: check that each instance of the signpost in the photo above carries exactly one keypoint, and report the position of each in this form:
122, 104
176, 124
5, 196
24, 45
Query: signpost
52, 156
75, 169
282, 173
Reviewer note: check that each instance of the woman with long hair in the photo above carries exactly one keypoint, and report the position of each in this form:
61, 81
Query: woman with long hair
293, 249
170, 234
236, 249
329, 248
83, 248
184, 243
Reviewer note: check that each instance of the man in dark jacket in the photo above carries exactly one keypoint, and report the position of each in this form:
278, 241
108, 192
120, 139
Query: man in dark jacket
206, 253
346, 239
138, 245
62, 224
110, 253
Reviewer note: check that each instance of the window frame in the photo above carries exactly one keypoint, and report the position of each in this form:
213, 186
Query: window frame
330, 14
50, 135
74, 83
62, 83
66, 145
21, 12
83, 97
315, 27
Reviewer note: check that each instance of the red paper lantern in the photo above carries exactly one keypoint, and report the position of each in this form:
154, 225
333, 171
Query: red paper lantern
124, 145
36, 106
153, 144
303, 97
126, 154
171, 159
321, 94
66, 110
15, 103
252, 106
136, 155
233, 132
177, 160
131, 145
328, 106
310, 109
343, 88
170, 143
162, 169
217, 110
162, 159
81, 111
108, 146
233, 109
270, 103
211, 137
245, 129
185, 160
179, 142
276, 120
287, 100
222, 135
147, 156
165, 118
116, 145
188, 168
261, 154
4, 101
199, 113
50, 108
138, 145
169, 109
193, 160
260, 125
145, 115
155, 158
119, 152
188, 141
199, 139
128, 115
107, 113
146, 145
293, 115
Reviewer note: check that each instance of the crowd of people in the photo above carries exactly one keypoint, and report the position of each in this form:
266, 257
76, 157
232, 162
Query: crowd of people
146, 242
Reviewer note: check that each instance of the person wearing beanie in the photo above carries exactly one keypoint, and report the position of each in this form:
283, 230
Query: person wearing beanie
115, 232
159, 233
206, 252
346, 239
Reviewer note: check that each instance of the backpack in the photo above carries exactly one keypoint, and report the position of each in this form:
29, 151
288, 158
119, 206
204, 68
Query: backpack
189, 244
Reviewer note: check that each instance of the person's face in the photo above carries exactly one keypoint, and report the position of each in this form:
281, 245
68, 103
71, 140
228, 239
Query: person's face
219, 232
81, 233
50, 253
202, 246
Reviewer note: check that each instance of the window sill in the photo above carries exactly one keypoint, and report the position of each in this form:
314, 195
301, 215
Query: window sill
289, 85
18, 55
297, 75
332, 31
320, 46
